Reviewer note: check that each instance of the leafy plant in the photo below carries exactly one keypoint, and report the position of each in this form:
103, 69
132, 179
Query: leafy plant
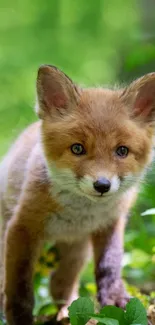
82, 310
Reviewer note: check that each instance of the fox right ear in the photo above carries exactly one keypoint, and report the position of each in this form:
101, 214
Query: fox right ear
140, 98
56, 93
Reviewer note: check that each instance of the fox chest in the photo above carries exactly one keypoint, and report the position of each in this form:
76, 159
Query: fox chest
79, 217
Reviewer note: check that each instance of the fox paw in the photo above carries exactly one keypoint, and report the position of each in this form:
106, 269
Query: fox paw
115, 295
63, 313
63, 309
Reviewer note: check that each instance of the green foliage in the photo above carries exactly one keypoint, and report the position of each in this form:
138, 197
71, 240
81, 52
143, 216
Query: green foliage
135, 313
81, 311
113, 312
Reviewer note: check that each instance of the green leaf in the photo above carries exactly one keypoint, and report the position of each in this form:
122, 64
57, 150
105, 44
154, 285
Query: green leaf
135, 312
114, 312
148, 212
105, 320
80, 311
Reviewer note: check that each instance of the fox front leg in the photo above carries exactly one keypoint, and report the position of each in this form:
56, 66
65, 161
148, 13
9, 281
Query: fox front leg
108, 251
20, 254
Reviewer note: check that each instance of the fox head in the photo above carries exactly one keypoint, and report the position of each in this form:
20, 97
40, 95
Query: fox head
97, 142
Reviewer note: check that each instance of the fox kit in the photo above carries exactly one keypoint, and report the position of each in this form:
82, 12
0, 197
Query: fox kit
71, 178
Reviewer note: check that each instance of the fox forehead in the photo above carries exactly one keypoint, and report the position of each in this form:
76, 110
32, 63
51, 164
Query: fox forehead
100, 102
99, 114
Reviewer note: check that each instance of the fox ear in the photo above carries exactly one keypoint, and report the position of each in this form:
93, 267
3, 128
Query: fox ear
140, 98
56, 93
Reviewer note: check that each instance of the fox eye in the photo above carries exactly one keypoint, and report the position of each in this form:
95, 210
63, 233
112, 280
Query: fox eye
122, 151
78, 149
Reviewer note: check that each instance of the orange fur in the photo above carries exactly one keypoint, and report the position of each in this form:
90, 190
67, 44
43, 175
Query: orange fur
47, 192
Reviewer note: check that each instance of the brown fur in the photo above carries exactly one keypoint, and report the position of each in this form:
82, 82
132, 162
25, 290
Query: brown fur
30, 198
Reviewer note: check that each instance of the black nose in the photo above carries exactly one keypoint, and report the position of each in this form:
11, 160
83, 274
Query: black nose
102, 185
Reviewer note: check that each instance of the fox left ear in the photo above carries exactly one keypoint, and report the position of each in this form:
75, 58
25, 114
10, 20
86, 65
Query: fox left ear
57, 94
140, 98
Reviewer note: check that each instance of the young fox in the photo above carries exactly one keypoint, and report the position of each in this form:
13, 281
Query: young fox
71, 178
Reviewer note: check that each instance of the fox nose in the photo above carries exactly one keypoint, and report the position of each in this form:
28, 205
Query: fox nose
102, 185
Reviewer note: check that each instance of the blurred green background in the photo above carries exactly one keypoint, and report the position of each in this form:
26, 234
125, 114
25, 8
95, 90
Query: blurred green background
95, 43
